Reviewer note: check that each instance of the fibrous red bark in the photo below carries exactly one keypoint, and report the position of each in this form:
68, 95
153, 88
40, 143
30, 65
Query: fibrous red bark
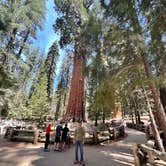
75, 109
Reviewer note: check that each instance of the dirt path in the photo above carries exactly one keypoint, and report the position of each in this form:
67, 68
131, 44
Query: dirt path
109, 154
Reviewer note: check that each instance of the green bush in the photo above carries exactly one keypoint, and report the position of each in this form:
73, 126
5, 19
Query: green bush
103, 126
26, 134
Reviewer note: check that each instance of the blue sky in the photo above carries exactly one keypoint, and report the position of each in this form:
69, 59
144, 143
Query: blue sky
47, 36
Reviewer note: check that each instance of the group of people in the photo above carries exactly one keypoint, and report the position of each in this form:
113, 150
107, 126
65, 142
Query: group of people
62, 137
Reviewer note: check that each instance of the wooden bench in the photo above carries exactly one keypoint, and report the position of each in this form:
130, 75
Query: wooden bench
26, 135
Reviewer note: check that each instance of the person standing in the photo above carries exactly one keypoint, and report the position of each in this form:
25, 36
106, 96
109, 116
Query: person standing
64, 136
58, 137
79, 136
47, 140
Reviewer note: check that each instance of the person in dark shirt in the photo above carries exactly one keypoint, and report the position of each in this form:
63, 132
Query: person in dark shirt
47, 140
64, 136
58, 137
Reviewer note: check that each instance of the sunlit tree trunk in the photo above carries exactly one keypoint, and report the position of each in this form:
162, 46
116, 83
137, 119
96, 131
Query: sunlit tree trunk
154, 125
160, 113
75, 108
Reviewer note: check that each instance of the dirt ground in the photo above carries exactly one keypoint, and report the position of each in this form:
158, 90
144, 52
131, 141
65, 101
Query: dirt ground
118, 153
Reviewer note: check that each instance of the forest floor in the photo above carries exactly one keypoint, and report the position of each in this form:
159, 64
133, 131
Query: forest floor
118, 153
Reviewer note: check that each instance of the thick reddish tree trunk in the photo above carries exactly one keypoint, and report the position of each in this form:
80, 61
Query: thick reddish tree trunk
163, 97
160, 113
75, 108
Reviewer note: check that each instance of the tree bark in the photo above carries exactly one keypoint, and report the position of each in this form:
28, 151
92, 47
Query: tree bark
137, 113
131, 111
75, 108
160, 110
103, 117
58, 106
154, 126
163, 97
132, 118
96, 120
24, 41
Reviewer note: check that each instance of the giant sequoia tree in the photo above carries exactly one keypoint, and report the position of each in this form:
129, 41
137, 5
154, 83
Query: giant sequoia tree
69, 24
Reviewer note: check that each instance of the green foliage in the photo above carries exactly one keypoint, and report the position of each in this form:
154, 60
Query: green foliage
59, 103
22, 18
38, 103
8, 85
112, 37
51, 60
73, 16
103, 127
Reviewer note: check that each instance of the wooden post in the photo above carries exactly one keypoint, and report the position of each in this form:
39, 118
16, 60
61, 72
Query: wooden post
35, 136
151, 158
136, 158
95, 136
11, 133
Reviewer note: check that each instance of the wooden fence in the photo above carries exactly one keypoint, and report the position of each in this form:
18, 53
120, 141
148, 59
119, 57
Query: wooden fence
145, 155
140, 127
26, 135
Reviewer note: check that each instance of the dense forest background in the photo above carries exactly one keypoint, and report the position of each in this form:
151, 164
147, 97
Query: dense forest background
123, 46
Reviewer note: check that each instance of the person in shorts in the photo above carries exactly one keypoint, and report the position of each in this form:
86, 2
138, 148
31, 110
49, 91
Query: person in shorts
58, 137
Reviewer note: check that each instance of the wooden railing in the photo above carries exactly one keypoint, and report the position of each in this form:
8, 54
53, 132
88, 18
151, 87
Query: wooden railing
140, 127
144, 155
28, 135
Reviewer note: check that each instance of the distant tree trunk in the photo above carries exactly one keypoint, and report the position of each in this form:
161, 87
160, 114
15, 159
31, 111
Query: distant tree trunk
103, 118
96, 119
58, 106
137, 114
131, 111
139, 117
132, 117
66, 86
160, 113
60, 98
75, 108
23, 43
